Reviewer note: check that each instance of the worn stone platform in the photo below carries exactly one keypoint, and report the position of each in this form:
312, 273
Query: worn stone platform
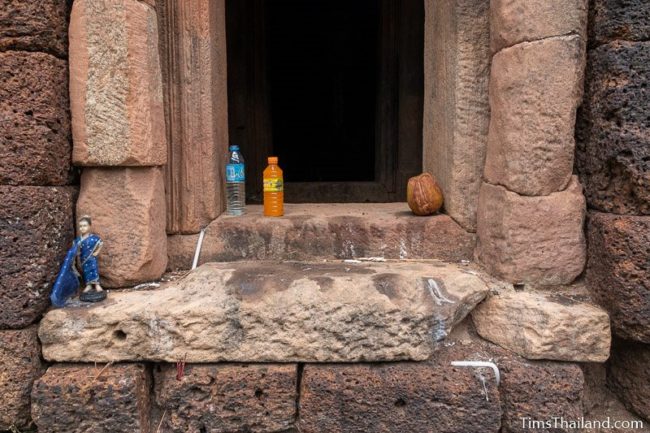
326, 231
273, 312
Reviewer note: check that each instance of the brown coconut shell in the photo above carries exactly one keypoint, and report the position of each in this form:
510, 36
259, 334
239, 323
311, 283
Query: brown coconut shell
424, 195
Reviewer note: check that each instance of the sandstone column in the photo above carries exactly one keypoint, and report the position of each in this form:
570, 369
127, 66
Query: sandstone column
196, 110
531, 208
456, 108
118, 130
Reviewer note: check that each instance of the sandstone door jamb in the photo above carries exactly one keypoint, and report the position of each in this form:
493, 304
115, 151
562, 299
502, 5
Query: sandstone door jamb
193, 53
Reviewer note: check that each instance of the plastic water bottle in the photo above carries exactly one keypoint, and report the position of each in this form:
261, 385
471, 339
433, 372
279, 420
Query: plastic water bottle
235, 182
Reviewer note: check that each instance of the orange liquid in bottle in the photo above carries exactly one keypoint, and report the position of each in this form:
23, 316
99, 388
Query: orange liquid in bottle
273, 189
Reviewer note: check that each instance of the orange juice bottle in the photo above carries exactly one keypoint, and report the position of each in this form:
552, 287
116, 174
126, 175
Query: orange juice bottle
273, 189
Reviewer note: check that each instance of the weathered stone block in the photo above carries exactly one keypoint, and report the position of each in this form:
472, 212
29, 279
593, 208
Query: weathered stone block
20, 358
611, 20
535, 89
456, 106
613, 131
326, 231
544, 326
115, 84
226, 398
101, 399
36, 229
402, 397
513, 22
128, 210
273, 312
617, 271
28, 25
538, 390
532, 239
629, 375
34, 119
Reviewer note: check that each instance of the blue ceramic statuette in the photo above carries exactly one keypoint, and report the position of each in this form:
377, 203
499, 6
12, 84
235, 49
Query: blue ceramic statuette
80, 264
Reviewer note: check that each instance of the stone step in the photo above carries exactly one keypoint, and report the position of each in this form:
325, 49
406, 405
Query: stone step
326, 231
273, 312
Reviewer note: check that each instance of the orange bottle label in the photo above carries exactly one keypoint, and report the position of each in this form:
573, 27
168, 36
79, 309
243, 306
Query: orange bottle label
274, 184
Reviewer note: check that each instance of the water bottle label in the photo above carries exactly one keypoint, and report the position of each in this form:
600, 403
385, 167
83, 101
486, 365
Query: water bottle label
273, 185
235, 173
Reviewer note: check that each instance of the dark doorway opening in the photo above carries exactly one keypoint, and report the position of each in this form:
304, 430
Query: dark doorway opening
332, 87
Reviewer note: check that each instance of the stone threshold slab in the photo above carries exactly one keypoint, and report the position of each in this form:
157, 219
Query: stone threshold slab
326, 231
272, 312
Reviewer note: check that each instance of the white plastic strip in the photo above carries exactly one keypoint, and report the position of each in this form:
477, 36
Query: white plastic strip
480, 364
197, 252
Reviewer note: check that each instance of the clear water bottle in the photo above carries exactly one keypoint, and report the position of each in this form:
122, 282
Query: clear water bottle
235, 182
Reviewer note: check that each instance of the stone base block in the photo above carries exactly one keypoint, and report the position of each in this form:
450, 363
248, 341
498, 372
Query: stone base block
273, 312
540, 391
127, 206
20, 358
226, 398
613, 131
617, 271
404, 397
28, 25
34, 119
36, 229
116, 94
535, 90
545, 326
532, 239
326, 231
629, 375
84, 398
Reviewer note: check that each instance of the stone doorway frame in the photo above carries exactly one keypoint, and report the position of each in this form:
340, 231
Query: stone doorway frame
521, 49
195, 81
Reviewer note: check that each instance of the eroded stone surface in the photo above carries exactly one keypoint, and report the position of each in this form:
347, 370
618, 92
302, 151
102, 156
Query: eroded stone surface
273, 312
86, 398
430, 396
600, 403
116, 85
36, 229
28, 25
544, 326
629, 375
327, 231
127, 206
226, 398
535, 89
538, 390
456, 105
20, 358
617, 271
613, 130
612, 20
513, 22
532, 239
34, 119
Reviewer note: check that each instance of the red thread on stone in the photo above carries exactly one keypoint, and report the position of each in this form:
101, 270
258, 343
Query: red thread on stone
180, 368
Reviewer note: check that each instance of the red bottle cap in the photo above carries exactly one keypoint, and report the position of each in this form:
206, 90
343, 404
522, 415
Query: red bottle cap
273, 160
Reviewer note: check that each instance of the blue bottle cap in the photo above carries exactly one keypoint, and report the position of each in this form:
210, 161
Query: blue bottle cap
234, 148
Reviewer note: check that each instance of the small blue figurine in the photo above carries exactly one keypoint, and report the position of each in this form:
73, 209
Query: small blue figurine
82, 255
